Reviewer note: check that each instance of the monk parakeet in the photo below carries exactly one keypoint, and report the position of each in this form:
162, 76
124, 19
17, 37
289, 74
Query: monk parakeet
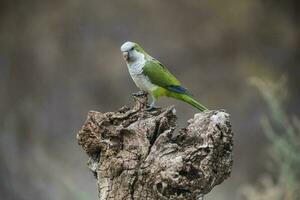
152, 77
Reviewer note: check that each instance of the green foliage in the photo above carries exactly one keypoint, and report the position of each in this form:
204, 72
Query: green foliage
282, 181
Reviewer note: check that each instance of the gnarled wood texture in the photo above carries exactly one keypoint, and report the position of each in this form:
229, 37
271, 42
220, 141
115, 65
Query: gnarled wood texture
137, 154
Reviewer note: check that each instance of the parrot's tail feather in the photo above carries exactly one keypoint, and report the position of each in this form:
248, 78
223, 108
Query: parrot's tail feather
194, 103
186, 98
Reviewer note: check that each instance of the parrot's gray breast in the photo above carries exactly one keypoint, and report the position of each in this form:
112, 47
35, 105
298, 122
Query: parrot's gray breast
136, 71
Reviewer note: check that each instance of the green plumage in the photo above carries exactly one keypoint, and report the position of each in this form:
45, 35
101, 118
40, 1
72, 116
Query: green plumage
152, 77
160, 76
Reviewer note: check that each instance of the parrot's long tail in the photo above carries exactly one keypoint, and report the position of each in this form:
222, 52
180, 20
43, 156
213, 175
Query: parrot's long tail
190, 100
193, 102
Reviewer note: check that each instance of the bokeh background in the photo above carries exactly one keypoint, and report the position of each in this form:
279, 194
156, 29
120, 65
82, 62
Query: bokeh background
60, 59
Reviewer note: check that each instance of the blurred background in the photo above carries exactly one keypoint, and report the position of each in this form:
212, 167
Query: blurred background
60, 59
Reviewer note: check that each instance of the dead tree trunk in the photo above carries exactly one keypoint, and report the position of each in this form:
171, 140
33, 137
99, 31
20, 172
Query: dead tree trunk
136, 154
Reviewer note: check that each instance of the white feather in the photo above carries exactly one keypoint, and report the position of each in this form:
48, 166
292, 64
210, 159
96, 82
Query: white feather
127, 46
135, 68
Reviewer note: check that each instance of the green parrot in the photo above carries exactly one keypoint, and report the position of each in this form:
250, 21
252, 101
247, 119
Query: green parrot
151, 77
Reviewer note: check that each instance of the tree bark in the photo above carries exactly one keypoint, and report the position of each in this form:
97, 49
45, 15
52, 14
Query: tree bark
137, 154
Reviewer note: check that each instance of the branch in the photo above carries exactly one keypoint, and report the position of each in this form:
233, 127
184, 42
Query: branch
136, 154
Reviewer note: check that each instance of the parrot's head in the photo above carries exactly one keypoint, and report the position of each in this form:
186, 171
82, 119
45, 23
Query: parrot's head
132, 52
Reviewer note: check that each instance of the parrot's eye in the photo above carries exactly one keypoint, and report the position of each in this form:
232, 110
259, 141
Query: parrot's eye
131, 48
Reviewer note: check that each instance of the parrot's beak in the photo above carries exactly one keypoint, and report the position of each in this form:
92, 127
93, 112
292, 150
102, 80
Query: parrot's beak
126, 55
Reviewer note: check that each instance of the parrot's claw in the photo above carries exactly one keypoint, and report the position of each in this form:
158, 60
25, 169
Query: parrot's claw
150, 108
139, 93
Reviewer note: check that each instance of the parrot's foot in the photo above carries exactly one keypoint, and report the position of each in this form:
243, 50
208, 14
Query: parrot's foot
139, 93
151, 107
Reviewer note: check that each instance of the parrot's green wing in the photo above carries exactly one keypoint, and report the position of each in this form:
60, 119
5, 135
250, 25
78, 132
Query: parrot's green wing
160, 75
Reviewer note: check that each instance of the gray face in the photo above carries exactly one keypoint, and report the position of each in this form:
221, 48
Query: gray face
127, 49
127, 46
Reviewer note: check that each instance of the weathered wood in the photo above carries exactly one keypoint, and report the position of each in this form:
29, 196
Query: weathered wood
137, 154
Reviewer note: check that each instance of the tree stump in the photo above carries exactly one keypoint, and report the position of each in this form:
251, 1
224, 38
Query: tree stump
137, 154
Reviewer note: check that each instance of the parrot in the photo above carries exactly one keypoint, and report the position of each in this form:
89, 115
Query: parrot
153, 78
